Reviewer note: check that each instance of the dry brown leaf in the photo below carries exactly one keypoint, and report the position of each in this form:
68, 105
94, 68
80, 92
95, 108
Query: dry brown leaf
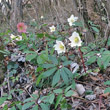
105, 94
94, 78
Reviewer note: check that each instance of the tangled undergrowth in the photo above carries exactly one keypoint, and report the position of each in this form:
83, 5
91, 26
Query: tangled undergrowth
47, 68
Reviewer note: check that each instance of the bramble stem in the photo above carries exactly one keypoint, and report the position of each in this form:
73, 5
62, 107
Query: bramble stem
82, 60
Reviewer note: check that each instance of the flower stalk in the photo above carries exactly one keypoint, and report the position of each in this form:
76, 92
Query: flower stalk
82, 60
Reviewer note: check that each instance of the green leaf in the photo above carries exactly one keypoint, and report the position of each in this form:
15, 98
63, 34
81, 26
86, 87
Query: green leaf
51, 98
107, 90
96, 29
70, 74
28, 99
31, 57
13, 108
106, 58
39, 78
78, 24
56, 78
107, 83
69, 93
40, 35
58, 91
35, 107
44, 106
19, 106
48, 66
24, 36
100, 63
91, 60
31, 52
89, 92
59, 97
73, 86
5, 52
64, 76
42, 58
85, 49
27, 105
68, 88
49, 72
90, 54
2, 99
53, 59
66, 63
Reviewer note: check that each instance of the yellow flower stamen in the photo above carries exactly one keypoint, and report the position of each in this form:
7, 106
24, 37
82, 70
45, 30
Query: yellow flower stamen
72, 20
61, 47
76, 39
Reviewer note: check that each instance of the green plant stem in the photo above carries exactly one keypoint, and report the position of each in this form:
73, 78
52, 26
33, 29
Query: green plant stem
82, 60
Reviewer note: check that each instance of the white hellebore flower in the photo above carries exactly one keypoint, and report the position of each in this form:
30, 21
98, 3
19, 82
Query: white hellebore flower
72, 19
18, 38
52, 28
12, 37
75, 39
60, 47
42, 17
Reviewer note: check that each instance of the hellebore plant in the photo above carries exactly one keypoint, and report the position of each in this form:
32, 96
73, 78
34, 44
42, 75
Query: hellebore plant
21, 27
72, 19
52, 28
13, 37
76, 41
17, 38
59, 47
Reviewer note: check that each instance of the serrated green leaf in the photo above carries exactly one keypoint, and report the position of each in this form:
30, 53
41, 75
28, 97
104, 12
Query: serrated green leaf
64, 76
69, 93
68, 88
42, 58
91, 60
53, 59
35, 107
31, 57
58, 91
48, 66
27, 100
40, 35
44, 106
107, 83
27, 105
49, 72
68, 72
66, 63
107, 90
39, 78
51, 98
95, 29
2, 99
56, 78
59, 97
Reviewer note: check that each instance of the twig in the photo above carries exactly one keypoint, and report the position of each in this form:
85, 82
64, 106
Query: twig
107, 27
8, 82
82, 60
100, 101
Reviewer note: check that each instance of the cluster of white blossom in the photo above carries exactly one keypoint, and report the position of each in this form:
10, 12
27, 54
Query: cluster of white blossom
74, 39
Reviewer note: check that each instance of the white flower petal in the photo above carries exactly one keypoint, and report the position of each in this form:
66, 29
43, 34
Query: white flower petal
59, 47
72, 19
75, 39
52, 28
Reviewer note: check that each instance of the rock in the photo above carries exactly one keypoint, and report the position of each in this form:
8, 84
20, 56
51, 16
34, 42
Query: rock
90, 97
80, 89
74, 67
